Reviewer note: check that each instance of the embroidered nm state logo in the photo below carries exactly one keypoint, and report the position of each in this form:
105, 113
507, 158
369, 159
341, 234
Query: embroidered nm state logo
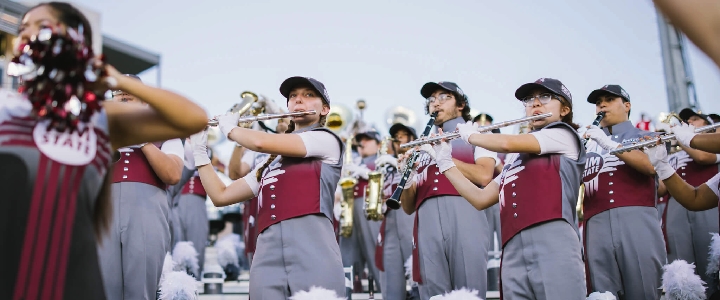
73, 149
596, 164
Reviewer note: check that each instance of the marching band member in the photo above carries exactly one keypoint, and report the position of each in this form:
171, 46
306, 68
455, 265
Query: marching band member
189, 214
624, 245
361, 243
447, 231
394, 244
140, 231
686, 136
687, 231
60, 205
296, 248
537, 192
492, 212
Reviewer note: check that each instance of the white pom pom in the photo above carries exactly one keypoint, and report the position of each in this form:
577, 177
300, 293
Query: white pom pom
461, 294
185, 257
316, 293
681, 283
226, 253
714, 255
178, 285
601, 296
168, 265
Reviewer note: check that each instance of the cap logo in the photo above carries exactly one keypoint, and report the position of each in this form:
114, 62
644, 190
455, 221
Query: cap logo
540, 80
605, 87
565, 91
460, 92
624, 93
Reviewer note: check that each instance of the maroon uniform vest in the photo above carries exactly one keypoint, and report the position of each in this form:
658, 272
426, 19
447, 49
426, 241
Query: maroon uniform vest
539, 188
133, 166
250, 236
693, 173
194, 186
609, 182
294, 186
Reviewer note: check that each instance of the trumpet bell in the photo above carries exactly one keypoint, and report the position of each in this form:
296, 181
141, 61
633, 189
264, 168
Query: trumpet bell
215, 136
339, 117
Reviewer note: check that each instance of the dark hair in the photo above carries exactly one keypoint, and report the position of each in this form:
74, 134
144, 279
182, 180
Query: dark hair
567, 119
459, 101
70, 16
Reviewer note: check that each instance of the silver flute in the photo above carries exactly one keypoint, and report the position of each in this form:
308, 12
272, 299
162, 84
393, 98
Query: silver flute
214, 122
453, 135
663, 138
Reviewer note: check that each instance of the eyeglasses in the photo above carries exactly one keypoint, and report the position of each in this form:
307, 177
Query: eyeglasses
441, 98
544, 98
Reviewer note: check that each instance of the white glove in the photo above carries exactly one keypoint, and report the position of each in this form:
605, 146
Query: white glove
270, 106
358, 171
467, 129
199, 144
659, 159
599, 136
386, 159
228, 122
337, 210
189, 159
684, 133
443, 156
428, 149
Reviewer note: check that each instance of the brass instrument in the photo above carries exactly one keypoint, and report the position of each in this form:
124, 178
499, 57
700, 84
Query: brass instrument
339, 117
666, 122
453, 135
347, 184
374, 189
400, 114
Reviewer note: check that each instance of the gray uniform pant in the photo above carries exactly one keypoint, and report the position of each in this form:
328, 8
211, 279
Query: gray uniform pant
132, 254
452, 243
493, 217
625, 251
544, 262
397, 248
293, 256
174, 222
194, 224
688, 234
362, 242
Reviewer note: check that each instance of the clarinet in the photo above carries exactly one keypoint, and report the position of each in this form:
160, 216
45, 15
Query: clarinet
394, 201
596, 122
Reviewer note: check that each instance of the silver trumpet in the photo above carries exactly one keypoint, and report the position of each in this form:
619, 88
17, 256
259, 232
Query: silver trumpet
214, 122
663, 138
453, 135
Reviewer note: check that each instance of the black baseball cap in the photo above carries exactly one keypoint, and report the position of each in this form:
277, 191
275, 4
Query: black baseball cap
292, 82
429, 88
400, 126
553, 85
686, 113
612, 89
714, 117
370, 134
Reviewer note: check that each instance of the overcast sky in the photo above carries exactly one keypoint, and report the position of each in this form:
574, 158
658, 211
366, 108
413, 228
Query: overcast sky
384, 51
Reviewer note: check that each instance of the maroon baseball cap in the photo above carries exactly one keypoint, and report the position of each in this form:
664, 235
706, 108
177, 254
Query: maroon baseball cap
553, 85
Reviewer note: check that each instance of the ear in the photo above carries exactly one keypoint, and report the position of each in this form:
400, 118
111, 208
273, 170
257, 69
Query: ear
627, 106
325, 110
564, 111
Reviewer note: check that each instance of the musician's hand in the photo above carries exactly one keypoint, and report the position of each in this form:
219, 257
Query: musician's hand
386, 159
199, 145
443, 156
228, 122
601, 138
357, 171
467, 129
659, 159
684, 133
428, 149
